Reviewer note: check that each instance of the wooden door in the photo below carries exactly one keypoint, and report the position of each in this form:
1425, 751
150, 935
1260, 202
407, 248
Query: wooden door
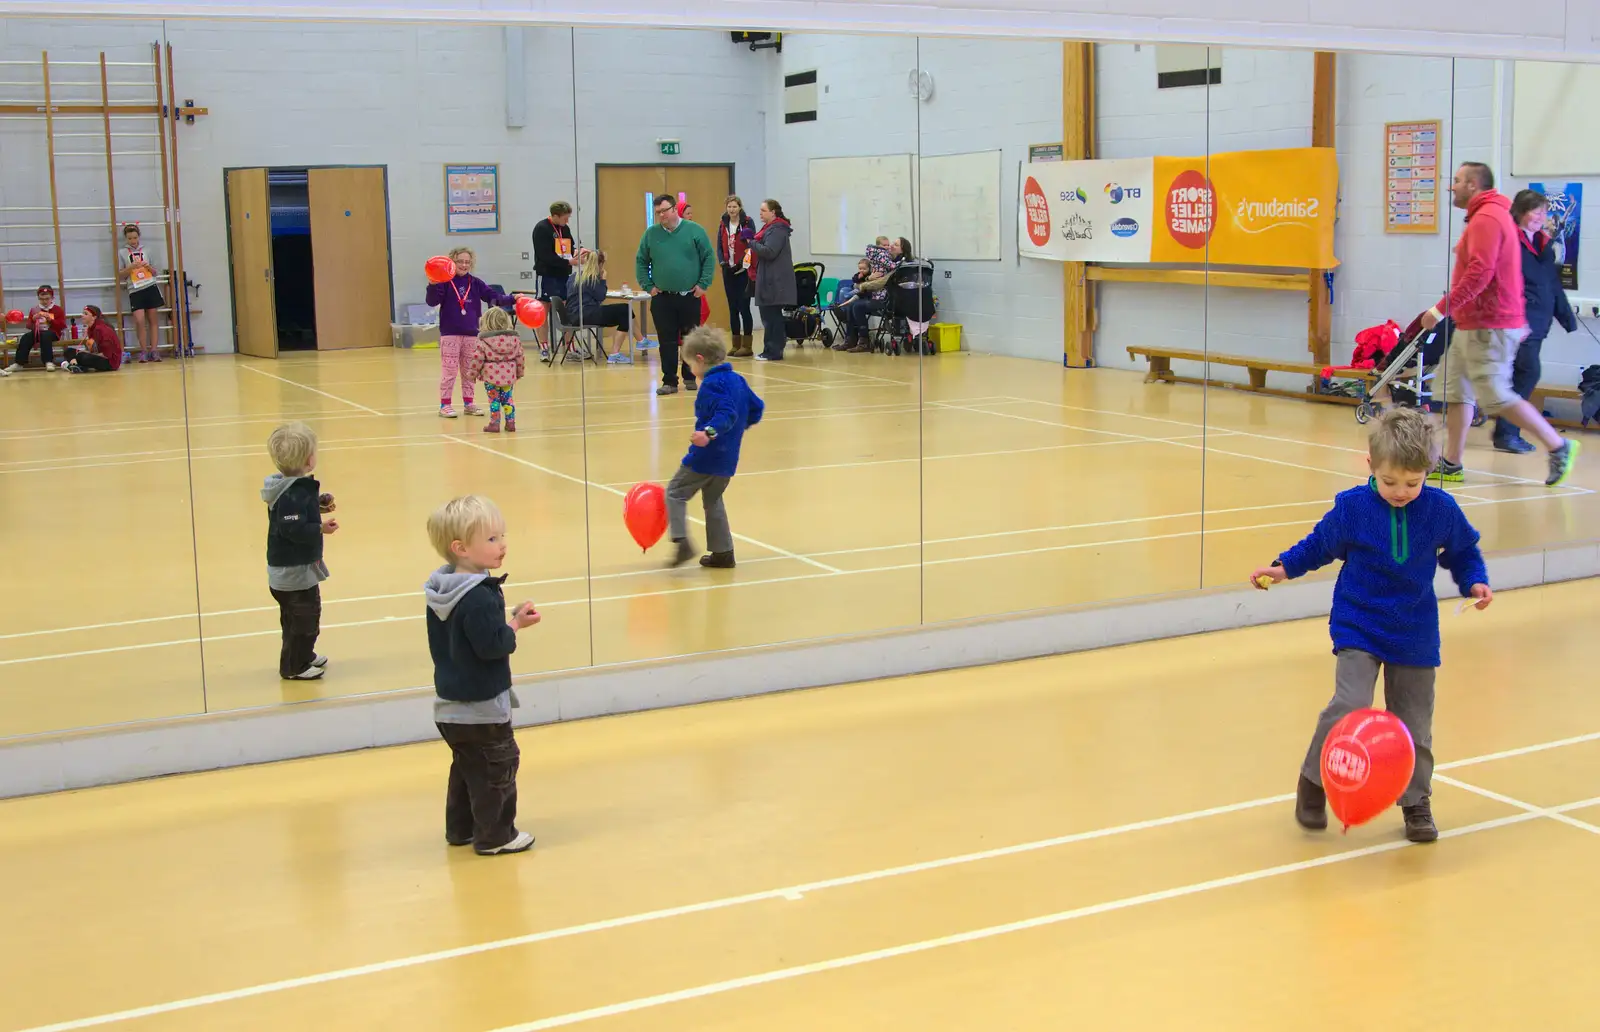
624, 195
350, 256
255, 316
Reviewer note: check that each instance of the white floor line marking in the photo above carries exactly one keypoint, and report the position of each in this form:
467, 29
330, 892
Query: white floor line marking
1251, 433
620, 494
1539, 811
994, 931
828, 571
308, 387
787, 891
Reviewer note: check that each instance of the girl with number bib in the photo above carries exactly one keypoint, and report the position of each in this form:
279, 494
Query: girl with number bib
460, 302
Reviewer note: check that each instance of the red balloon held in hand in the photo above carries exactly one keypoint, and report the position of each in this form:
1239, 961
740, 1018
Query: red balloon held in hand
1366, 765
440, 269
644, 510
531, 312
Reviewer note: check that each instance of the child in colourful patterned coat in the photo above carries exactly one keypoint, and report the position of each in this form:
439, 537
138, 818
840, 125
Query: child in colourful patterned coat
499, 361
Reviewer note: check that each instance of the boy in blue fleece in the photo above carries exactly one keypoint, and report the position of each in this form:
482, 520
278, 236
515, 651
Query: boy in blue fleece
723, 409
1390, 533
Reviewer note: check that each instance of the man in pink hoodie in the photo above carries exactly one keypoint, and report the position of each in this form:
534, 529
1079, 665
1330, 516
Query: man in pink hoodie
1486, 302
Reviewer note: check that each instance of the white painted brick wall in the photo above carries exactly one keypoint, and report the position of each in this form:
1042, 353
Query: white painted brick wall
406, 96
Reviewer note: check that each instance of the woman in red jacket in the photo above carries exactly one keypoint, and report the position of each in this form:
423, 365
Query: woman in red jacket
733, 245
104, 353
46, 323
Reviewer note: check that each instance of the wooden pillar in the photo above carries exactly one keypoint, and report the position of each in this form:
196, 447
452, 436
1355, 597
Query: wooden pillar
1324, 115
1077, 143
55, 209
162, 103
111, 197
180, 289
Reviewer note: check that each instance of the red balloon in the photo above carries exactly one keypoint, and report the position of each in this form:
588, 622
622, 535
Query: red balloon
15, 315
440, 269
1366, 765
644, 510
531, 311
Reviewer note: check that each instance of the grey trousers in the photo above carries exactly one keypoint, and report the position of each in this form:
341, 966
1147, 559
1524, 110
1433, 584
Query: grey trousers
1407, 693
685, 484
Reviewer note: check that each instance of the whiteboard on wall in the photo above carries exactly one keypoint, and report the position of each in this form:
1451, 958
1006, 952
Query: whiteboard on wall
960, 207
1552, 112
856, 200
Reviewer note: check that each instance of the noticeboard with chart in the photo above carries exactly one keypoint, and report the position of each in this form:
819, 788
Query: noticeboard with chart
471, 199
1411, 177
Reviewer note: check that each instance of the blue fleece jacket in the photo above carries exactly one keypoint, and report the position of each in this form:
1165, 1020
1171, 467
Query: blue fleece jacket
724, 407
1384, 602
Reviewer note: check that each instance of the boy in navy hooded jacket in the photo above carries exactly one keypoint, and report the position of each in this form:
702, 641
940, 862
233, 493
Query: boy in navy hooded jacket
724, 407
1391, 533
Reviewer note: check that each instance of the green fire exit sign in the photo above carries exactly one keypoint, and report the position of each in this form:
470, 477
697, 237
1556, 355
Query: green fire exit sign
669, 148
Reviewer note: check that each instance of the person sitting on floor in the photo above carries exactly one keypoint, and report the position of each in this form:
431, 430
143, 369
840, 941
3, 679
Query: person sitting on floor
104, 353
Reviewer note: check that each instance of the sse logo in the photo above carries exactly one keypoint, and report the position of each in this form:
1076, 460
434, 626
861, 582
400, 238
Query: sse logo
1118, 194
1124, 228
1075, 195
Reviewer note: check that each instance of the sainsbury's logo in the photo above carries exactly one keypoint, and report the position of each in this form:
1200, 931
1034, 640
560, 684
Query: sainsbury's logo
1293, 208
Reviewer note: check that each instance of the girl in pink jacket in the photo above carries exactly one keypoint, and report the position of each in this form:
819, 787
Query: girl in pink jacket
499, 361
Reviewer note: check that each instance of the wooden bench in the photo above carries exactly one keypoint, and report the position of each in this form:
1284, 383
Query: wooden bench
1161, 360
1544, 391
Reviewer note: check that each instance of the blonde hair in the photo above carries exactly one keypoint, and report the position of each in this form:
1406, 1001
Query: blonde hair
706, 343
593, 263
1404, 440
458, 251
462, 519
291, 447
496, 320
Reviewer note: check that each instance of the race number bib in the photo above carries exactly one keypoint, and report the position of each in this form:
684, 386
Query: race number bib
142, 275
564, 247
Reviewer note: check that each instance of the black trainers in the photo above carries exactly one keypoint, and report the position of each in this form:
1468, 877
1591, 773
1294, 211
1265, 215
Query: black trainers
1311, 805
1561, 463
682, 553
1419, 822
718, 561
1514, 445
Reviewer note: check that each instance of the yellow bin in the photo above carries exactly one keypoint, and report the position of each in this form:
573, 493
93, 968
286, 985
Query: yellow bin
945, 336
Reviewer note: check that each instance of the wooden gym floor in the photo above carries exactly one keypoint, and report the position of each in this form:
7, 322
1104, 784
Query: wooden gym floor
878, 493
1102, 840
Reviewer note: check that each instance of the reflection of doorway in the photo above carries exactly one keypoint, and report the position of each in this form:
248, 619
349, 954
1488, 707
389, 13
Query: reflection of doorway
294, 286
623, 196
309, 256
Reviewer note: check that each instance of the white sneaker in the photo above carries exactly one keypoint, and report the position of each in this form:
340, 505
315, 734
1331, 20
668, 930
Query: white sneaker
473, 410
14, 367
49, 367
310, 673
319, 662
447, 412
5, 372
521, 844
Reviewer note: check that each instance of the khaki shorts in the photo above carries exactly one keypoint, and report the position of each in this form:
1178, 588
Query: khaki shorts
1478, 368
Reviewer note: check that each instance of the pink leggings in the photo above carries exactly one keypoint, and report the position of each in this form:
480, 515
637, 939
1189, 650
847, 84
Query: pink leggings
452, 352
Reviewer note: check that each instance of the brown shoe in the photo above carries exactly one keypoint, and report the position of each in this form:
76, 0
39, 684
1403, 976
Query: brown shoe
1419, 822
741, 347
1311, 805
492, 426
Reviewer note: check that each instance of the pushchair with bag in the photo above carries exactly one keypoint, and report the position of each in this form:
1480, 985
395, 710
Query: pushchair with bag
803, 321
1408, 371
903, 327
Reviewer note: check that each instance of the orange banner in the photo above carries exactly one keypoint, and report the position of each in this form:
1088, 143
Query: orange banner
1265, 207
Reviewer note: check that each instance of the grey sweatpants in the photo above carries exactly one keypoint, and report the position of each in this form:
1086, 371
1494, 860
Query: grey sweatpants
685, 484
1407, 693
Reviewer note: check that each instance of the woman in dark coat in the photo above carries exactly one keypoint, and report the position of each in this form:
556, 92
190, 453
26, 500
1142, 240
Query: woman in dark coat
772, 264
1546, 301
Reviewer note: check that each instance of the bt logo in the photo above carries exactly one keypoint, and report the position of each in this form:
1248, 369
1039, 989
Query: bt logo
1118, 194
1075, 195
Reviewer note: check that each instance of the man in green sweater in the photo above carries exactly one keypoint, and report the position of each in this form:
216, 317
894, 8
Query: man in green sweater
675, 263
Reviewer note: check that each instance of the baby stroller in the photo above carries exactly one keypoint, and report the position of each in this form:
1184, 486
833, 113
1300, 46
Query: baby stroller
904, 325
803, 321
1408, 371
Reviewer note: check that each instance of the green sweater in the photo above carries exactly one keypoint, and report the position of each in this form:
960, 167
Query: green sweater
678, 261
